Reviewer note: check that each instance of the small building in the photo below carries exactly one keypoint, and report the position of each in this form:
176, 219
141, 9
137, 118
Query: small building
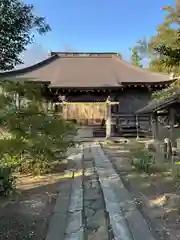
84, 81
165, 117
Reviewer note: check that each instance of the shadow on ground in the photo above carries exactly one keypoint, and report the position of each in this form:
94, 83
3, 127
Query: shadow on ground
26, 214
156, 195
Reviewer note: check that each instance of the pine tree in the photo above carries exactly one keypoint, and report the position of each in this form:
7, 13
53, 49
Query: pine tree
135, 57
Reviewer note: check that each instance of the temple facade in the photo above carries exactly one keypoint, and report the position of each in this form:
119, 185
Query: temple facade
83, 82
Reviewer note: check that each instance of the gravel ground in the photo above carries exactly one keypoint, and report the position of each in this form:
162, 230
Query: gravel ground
26, 215
157, 196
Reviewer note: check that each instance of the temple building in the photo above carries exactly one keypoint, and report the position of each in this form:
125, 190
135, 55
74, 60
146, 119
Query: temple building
84, 82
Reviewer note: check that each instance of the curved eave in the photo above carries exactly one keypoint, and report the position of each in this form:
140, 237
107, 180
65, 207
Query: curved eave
21, 79
157, 105
87, 88
101, 71
28, 69
159, 83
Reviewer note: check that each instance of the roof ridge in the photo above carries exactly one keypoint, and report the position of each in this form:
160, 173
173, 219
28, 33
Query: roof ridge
85, 54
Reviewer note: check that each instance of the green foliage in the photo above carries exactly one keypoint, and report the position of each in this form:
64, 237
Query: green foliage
163, 49
169, 46
176, 172
142, 160
135, 57
6, 181
34, 134
17, 21
165, 93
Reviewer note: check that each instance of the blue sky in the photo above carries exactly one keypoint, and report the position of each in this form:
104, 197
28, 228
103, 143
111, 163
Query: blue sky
96, 25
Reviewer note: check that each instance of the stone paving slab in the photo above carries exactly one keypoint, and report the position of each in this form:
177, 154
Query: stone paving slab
94, 204
84, 133
75, 228
117, 198
106, 175
58, 220
96, 225
65, 218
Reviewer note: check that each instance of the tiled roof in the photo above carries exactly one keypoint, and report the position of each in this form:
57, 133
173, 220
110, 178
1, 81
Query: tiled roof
87, 70
159, 104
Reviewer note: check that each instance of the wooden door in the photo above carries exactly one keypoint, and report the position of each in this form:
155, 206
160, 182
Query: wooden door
90, 112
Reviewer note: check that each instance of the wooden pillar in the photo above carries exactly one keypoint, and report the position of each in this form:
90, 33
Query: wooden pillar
46, 105
137, 127
92, 113
152, 127
51, 106
154, 123
172, 123
108, 119
65, 108
18, 101
156, 126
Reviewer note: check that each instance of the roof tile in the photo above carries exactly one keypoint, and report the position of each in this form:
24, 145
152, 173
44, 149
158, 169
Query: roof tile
93, 70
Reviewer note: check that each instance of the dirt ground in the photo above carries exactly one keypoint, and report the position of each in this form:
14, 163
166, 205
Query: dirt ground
157, 195
26, 215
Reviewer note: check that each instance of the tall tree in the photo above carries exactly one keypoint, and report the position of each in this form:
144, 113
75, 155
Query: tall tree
163, 48
169, 49
17, 23
166, 47
135, 57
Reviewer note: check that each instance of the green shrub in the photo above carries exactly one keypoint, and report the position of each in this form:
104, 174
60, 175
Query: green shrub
35, 134
7, 181
33, 167
11, 161
142, 160
176, 172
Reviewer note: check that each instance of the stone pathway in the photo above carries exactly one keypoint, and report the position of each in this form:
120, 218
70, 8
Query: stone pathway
96, 218
74, 228
84, 134
99, 206
108, 178
126, 220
